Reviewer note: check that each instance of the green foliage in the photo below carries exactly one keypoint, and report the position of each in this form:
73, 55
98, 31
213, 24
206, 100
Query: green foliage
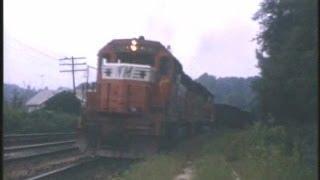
288, 87
264, 152
260, 152
15, 96
64, 102
275, 168
205, 160
258, 142
287, 59
156, 168
17, 100
19, 121
230, 90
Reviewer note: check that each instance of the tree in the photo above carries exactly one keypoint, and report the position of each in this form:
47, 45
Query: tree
230, 90
64, 102
287, 58
17, 100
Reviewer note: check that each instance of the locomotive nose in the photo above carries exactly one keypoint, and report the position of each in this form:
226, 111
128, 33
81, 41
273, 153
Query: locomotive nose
124, 97
126, 88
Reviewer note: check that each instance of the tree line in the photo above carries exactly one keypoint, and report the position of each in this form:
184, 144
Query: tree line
287, 89
287, 57
234, 91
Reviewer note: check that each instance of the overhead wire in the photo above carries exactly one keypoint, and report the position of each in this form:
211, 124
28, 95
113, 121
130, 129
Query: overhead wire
33, 49
22, 51
36, 56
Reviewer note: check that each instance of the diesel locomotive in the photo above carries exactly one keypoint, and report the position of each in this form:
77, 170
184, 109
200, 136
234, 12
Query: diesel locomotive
142, 99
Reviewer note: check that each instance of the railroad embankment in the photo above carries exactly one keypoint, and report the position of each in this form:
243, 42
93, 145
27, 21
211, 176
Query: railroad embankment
257, 152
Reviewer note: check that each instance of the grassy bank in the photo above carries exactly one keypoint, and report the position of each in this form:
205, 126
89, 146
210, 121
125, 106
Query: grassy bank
258, 152
18, 121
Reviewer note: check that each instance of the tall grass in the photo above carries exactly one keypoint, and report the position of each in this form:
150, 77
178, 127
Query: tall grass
257, 153
18, 121
159, 167
267, 153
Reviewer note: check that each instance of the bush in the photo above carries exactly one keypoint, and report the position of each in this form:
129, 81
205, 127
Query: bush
264, 152
65, 102
259, 152
18, 121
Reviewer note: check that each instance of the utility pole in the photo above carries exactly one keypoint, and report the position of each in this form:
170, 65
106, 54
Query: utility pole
87, 85
88, 72
72, 68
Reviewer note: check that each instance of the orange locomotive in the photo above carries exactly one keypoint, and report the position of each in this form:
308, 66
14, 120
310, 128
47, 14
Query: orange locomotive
142, 98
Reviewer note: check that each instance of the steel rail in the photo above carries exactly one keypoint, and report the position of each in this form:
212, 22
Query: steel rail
61, 170
37, 134
16, 148
24, 155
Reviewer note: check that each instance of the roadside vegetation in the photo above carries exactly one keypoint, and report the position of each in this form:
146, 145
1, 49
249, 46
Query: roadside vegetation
258, 152
40, 121
60, 114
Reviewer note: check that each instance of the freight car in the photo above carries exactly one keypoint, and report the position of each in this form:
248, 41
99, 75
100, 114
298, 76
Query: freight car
142, 98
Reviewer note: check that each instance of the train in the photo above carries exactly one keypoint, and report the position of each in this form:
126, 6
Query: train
142, 99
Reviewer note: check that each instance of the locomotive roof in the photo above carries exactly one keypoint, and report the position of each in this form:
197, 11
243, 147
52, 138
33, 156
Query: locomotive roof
149, 43
155, 44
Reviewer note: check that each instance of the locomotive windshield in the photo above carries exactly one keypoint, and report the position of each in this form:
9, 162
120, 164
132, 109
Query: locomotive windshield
143, 59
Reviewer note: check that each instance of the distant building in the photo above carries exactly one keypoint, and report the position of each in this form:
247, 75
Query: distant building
39, 100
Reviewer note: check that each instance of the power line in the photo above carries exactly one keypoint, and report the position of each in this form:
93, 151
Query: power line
34, 55
30, 54
23, 45
92, 67
73, 68
74, 64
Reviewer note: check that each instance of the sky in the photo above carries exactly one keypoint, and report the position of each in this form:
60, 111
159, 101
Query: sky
213, 37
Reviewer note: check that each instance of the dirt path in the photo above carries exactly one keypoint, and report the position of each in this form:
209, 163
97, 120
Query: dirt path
235, 175
188, 173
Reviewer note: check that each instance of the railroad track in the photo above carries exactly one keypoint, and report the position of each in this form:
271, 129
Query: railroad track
23, 147
13, 153
80, 170
22, 159
37, 134
20, 139
61, 170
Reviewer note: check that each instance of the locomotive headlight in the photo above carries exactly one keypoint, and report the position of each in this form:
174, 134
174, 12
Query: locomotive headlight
134, 42
133, 47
